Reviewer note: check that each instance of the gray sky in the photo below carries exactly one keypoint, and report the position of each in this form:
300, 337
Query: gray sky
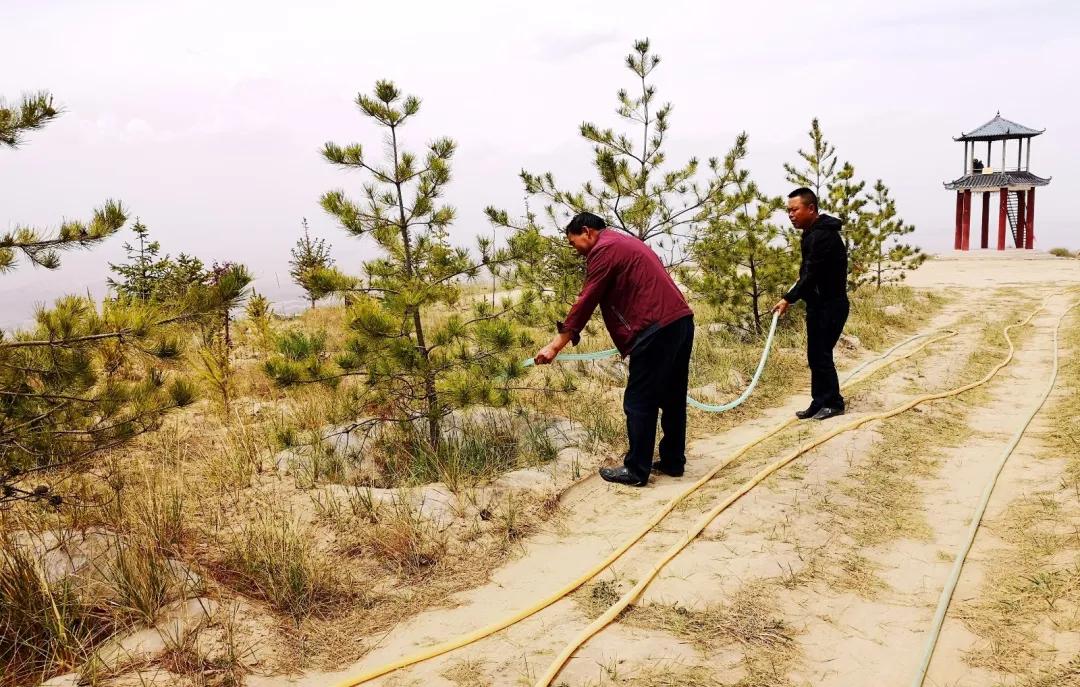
206, 118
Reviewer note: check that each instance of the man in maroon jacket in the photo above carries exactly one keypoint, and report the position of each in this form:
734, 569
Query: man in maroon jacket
649, 320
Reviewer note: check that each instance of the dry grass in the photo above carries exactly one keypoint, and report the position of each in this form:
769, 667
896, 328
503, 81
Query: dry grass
1067, 675
467, 674
857, 574
274, 558
1028, 587
140, 580
46, 626
749, 622
596, 597
402, 538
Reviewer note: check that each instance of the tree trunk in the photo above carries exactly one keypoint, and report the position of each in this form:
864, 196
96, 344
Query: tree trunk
406, 239
755, 295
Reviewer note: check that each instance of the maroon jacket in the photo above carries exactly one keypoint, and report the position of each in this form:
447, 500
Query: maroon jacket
635, 293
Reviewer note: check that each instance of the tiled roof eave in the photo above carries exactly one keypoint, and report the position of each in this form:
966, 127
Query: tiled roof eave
996, 180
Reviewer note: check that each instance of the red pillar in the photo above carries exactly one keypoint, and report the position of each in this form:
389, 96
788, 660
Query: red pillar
959, 220
965, 240
1029, 223
1003, 218
985, 238
1021, 218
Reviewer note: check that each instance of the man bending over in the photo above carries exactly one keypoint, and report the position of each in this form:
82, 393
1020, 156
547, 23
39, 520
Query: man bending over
649, 320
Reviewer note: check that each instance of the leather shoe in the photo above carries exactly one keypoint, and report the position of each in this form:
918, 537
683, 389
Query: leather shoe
621, 476
827, 412
810, 411
659, 466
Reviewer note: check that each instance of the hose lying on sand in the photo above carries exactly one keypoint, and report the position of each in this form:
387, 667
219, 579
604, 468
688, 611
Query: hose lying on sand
627, 599
569, 587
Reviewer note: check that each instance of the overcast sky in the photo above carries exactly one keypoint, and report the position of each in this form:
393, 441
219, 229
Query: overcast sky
206, 118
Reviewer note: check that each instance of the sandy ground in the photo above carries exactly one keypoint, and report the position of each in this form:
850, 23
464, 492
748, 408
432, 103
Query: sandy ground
992, 269
840, 636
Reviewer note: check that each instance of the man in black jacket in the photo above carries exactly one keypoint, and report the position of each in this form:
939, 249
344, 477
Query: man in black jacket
823, 285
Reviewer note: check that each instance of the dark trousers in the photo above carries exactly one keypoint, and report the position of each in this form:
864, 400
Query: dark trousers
824, 324
659, 367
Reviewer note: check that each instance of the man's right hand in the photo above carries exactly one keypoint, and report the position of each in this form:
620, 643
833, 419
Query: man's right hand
546, 355
781, 307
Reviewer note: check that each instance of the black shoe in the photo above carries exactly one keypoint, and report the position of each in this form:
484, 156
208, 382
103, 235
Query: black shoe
659, 466
622, 476
810, 411
827, 412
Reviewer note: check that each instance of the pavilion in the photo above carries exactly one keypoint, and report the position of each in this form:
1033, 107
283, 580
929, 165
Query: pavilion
1014, 183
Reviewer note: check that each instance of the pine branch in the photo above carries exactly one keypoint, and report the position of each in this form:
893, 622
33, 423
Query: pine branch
32, 113
43, 250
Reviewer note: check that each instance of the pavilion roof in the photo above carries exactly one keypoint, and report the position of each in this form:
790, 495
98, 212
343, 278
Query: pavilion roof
998, 129
996, 180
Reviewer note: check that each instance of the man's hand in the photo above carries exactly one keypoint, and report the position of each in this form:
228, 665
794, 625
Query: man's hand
546, 355
781, 307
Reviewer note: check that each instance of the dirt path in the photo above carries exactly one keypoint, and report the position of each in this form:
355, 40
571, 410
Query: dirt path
597, 517
1021, 574
875, 635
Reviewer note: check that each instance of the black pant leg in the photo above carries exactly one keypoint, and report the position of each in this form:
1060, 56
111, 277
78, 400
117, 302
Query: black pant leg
641, 403
824, 325
673, 409
647, 389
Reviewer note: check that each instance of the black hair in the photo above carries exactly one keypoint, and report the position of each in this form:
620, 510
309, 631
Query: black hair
583, 221
807, 196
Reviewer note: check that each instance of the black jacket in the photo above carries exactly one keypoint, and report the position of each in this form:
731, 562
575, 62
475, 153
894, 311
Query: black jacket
823, 272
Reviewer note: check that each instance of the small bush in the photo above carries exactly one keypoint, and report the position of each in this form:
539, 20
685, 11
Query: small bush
158, 514
276, 560
402, 538
141, 580
605, 427
1062, 252
318, 462
476, 448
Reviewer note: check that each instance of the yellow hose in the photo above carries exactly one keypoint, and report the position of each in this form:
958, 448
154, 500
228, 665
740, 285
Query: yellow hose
488, 630
627, 599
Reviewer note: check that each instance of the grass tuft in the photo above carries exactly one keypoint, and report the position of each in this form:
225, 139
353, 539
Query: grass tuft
275, 559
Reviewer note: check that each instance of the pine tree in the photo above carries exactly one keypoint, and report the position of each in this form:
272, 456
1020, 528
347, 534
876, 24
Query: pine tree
889, 259
871, 237
140, 277
260, 315
847, 201
416, 368
547, 272
636, 192
743, 260
820, 165
179, 276
308, 258
84, 378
